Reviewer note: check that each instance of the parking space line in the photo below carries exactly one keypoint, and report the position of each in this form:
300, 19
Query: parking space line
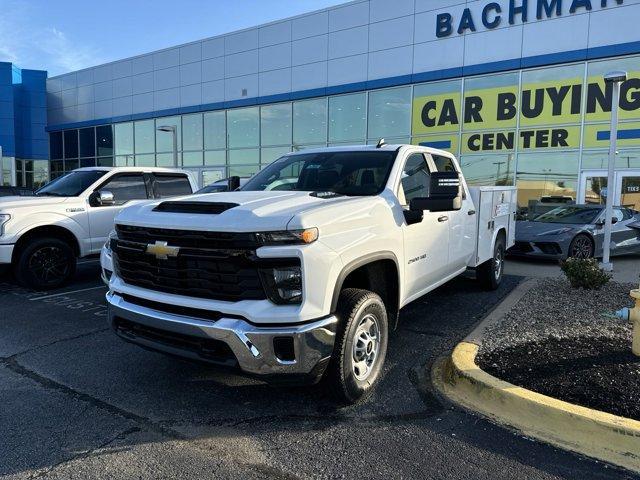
67, 293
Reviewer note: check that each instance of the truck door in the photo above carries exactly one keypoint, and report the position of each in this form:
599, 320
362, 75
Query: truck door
462, 223
425, 243
127, 189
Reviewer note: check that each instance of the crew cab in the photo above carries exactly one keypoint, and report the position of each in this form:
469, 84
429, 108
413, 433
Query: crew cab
299, 275
41, 236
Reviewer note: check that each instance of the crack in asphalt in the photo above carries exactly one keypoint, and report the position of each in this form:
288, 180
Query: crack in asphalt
86, 454
55, 342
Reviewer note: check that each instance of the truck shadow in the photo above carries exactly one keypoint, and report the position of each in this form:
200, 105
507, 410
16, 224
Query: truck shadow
142, 400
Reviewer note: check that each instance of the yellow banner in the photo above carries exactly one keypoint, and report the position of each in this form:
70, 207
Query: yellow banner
597, 136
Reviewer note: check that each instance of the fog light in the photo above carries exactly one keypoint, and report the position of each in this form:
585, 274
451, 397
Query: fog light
283, 284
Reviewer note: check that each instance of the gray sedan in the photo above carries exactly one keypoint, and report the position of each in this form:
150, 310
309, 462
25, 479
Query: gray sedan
576, 231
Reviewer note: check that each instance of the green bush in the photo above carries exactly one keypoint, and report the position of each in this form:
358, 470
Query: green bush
584, 273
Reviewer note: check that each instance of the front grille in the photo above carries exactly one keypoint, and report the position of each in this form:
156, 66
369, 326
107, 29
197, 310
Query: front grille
521, 247
199, 270
208, 349
188, 238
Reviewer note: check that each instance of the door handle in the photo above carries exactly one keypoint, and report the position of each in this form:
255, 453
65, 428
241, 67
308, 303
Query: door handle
443, 218
471, 212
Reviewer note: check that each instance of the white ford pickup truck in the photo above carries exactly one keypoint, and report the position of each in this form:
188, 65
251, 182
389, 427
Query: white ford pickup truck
299, 276
41, 236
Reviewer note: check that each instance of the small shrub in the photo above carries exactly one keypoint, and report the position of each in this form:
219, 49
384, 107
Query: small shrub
584, 273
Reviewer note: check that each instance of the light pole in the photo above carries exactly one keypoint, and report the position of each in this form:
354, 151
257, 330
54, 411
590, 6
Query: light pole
174, 132
615, 78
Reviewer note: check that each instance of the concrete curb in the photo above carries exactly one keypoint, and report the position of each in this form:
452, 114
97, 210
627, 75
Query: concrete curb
590, 432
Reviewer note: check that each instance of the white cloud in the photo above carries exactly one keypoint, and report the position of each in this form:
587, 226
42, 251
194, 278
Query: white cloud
37, 47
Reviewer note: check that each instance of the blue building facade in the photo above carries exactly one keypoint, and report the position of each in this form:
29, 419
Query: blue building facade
23, 120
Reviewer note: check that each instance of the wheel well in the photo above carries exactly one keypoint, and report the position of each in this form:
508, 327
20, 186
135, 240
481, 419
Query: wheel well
52, 231
502, 233
381, 277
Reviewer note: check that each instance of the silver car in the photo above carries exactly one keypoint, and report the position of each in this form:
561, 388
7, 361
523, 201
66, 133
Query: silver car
576, 231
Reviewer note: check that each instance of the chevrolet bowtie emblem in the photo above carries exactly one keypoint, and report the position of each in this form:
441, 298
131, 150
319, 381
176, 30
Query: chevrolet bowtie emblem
162, 250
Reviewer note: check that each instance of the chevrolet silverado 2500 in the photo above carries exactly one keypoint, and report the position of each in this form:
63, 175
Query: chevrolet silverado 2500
41, 236
299, 276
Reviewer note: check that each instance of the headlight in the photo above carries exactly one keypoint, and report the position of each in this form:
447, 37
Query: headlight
112, 236
4, 218
283, 284
288, 237
557, 231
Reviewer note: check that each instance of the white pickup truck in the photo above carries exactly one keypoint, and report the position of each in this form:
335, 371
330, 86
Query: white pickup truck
41, 236
299, 276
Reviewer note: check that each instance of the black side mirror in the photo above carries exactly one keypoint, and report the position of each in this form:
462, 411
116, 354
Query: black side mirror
233, 183
444, 194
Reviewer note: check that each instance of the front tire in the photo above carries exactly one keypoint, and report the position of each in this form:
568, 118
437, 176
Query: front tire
361, 345
581, 247
44, 264
490, 273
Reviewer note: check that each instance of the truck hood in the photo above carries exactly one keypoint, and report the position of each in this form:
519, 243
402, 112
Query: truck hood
254, 211
11, 203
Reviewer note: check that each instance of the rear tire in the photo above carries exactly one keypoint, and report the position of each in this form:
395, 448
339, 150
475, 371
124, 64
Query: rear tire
581, 247
361, 345
44, 264
490, 273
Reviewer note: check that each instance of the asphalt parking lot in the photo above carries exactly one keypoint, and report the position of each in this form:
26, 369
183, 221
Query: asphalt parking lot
76, 402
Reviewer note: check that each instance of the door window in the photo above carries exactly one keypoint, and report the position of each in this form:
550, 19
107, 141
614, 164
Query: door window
630, 195
126, 187
443, 164
415, 179
172, 186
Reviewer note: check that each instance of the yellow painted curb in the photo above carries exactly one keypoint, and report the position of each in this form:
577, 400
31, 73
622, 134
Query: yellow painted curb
590, 432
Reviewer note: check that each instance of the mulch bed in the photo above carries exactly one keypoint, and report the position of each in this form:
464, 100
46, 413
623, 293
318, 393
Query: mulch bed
564, 343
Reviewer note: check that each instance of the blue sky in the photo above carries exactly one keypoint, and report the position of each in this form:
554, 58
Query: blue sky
66, 35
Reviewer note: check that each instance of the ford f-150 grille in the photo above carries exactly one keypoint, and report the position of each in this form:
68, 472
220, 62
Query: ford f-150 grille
207, 265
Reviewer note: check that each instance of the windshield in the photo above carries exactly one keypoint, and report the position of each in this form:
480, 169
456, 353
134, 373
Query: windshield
72, 184
355, 173
214, 188
573, 214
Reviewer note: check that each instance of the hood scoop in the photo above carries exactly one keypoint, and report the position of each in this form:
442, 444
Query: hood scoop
211, 208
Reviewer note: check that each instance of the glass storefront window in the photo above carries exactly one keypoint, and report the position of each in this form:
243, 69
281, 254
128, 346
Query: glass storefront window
124, 161
544, 177
215, 130
268, 155
40, 173
389, 113
87, 142
490, 102
488, 170
192, 132
310, 121
437, 108
348, 118
104, 140
599, 160
70, 165
123, 138
105, 162
70, 143
551, 95
144, 137
243, 126
275, 124
598, 106
55, 145
248, 156
57, 168
88, 162
215, 157
147, 160
192, 159
166, 159
243, 171
164, 140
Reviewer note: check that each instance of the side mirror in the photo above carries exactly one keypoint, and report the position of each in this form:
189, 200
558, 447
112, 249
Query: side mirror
102, 198
233, 183
444, 194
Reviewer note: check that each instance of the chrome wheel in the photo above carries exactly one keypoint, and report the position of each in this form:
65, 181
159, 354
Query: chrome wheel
49, 264
498, 263
366, 346
581, 247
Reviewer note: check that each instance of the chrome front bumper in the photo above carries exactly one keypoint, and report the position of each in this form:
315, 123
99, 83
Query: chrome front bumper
252, 345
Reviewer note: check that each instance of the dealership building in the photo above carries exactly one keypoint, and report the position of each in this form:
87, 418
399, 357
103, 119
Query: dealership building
513, 87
